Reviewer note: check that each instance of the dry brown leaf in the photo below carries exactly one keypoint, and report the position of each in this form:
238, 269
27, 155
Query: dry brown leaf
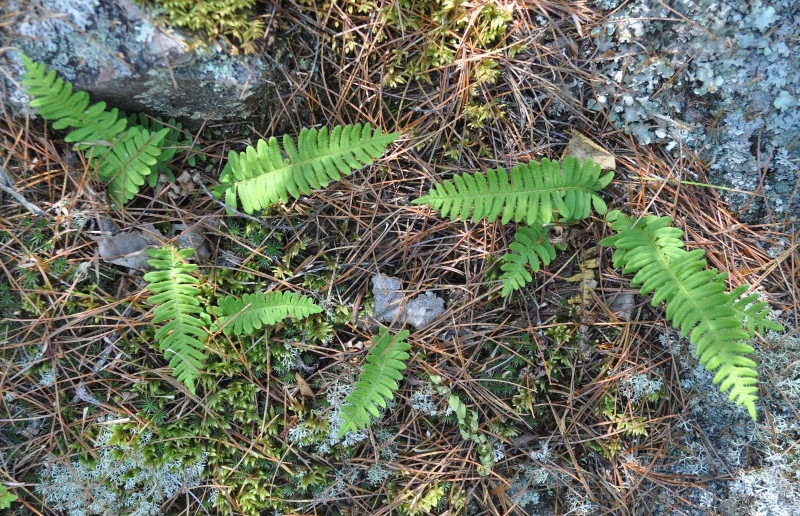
583, 148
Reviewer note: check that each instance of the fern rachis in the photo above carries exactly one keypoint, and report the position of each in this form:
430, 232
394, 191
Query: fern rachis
378, 381
181, 338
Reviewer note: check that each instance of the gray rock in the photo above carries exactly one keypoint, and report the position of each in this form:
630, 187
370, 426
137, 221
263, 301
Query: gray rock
392, 307
723, 82
110, 49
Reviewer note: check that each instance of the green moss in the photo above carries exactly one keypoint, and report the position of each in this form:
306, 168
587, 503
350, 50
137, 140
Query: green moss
231, 20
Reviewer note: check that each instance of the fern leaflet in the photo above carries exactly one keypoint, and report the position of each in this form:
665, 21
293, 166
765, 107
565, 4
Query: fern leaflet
530, 193
378, 381
696, 301
176, 302
532, 247
261, 176
129, 162
252, 311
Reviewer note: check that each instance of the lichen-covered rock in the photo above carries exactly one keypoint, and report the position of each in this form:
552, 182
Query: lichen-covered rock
721, 79
111, 49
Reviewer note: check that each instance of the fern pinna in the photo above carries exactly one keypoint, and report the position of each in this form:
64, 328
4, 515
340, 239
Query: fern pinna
175, 300
530, 194
378, 381
252, 311
122, 152
261, 176
696, 300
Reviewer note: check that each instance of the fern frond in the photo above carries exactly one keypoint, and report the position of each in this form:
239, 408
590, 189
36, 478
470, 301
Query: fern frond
378, 381
170, 146
121, 151
261, 176
176, 303
530, 193
254, 310
129, 162
751, 313
56, 101
696, 301
531, 247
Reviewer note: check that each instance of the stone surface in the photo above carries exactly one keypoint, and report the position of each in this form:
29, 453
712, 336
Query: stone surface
391, 306
720, 79
112, 50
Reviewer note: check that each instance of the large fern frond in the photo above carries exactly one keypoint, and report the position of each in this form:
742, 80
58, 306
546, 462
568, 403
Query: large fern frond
261, 176
176, 303
254, 310
530, 193
531, 247
378, 381
696, 300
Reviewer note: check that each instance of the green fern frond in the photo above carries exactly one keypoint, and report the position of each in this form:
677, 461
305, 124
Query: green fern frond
531, 247
129, 162
378, 381
261, 176
696, 301
174, 141
55, 100
530, 193
121, 151
176, 302
252, 311
751, 313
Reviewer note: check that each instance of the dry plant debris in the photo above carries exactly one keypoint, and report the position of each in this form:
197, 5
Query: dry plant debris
517, 406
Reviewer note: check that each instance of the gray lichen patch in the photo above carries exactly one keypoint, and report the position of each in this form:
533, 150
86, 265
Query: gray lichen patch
112, 50
721, 79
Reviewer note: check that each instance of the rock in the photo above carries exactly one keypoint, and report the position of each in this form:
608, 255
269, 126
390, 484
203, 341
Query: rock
391, 307
111, 49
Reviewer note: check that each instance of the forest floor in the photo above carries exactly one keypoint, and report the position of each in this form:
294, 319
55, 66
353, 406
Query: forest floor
589, 402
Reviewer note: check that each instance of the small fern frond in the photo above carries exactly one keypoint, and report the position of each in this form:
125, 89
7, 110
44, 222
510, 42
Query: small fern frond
129, 162
530, 193
696, 301
122, 152
174, 141
252, 311
378, 381
261, 176
56, 101
175, 300
531, 247
751, 313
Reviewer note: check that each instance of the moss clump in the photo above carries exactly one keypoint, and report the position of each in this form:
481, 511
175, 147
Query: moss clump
209, 20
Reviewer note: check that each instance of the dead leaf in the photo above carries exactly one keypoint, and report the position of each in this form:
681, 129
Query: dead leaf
583, 148
302, 385
129, 249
